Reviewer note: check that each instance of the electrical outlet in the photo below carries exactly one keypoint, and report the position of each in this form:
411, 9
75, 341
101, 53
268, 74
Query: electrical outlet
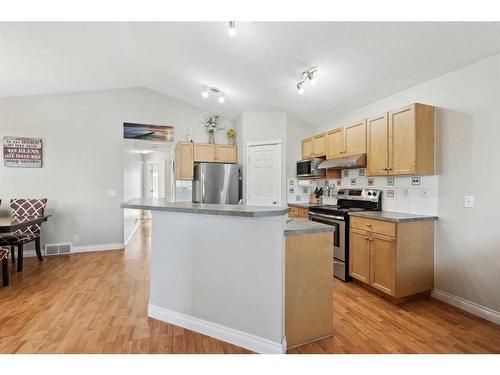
425, 193
76, 238
415, 181
468, 201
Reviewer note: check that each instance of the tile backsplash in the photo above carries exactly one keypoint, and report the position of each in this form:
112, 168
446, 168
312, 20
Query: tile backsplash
398, 193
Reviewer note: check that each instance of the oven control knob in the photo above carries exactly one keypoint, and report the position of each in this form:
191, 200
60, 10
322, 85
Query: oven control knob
374, 193
370, 193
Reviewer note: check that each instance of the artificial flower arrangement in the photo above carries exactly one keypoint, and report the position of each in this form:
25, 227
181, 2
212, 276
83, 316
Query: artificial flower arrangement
212, 125
231, 134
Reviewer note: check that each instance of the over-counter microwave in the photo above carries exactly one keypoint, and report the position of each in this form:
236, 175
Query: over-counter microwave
309, 168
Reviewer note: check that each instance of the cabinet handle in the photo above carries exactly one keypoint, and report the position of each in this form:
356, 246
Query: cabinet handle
367, 238
369, 225
370, 239
385, 169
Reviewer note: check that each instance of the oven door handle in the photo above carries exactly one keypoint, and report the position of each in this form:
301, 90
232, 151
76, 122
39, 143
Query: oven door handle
326, 216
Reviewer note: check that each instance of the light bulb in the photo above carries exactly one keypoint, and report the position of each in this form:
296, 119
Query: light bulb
221, 99
232, 29
300, 90
204, 93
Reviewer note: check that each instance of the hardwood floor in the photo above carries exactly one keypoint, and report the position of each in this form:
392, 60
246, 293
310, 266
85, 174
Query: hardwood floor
97, 303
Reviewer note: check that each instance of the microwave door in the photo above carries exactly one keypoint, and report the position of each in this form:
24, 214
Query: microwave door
303, 168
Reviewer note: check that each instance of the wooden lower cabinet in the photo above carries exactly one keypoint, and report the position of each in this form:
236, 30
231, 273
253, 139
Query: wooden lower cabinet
298, 212
395, 258
308, 287
359, 260
383, 263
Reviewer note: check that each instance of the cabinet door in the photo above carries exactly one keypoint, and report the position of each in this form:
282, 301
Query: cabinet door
307, 148
205, 152
402, 141
359, 255
377, 147
355, 138
226, 154
335, 143
383, 263
319, 145
184, 161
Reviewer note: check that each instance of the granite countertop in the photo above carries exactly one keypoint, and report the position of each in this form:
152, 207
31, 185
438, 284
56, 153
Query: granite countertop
305, 205
295, 227
156, 204
395, 217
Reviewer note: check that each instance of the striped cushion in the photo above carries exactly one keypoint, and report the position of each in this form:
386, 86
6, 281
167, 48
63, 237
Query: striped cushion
23, 208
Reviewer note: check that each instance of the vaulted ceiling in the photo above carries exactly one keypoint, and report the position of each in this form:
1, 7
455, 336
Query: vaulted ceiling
358, 62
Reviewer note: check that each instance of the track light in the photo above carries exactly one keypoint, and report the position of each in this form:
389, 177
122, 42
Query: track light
232, 29
206, 91
309, 75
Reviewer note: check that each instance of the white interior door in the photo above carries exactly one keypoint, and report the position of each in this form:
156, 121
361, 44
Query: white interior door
155, 180
264, 175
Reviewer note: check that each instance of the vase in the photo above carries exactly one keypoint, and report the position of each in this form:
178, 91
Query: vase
231, 142
211, 138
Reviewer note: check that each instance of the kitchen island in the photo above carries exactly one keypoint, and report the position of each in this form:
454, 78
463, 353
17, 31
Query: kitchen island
220, 269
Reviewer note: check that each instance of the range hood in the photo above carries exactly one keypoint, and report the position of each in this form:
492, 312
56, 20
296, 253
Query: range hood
345, 162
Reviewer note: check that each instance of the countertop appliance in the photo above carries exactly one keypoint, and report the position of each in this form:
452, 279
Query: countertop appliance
309, 168
348, 200
216, 183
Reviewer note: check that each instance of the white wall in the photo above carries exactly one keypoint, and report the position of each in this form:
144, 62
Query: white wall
261, 127
468, 160
296, 130
83, 155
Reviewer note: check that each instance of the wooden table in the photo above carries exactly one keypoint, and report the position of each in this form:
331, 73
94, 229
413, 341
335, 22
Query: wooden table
10, 224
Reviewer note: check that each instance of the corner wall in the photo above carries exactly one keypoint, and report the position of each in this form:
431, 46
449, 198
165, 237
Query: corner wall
83, 156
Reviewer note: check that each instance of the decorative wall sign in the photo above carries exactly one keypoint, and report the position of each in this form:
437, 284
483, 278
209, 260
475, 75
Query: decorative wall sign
22, 152
146, 132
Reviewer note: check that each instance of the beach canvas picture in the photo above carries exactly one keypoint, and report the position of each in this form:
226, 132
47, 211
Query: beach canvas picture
147, 132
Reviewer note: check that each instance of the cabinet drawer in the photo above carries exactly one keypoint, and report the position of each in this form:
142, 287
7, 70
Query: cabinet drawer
376, 226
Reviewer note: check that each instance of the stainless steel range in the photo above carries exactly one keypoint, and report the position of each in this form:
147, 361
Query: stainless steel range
348, 200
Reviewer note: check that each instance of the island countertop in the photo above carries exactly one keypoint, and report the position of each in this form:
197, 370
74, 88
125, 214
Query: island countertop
295, 227
395, 217
158, 204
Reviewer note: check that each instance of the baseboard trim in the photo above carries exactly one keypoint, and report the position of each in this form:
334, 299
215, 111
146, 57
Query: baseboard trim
137, 225
94, 248
220, 332
466, 305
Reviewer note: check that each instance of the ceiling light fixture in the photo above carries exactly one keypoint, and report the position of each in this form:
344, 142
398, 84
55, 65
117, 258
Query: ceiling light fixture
232, 29
206, 91
311, 75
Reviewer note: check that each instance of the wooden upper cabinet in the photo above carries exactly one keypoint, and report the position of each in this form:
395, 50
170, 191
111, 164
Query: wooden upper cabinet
355, 138
377, 143
308, 148
226, 154
184, 161
205, 152
319, 145
383, 263
335, 143
411, 140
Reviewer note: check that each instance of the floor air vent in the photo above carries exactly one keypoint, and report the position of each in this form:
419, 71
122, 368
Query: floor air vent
62, 248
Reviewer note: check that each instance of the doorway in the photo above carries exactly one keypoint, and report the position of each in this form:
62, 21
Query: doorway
264, 173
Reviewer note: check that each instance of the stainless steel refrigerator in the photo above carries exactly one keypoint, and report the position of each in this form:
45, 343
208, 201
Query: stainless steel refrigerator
216, 183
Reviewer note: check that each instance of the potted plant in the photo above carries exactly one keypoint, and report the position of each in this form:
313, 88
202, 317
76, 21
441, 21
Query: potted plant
230, 133
212, 125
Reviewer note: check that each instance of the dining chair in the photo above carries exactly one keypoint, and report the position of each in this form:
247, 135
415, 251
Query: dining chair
23, 209
4, 258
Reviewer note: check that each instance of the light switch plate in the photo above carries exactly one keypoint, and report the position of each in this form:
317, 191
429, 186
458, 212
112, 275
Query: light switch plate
468, 201
415, 181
